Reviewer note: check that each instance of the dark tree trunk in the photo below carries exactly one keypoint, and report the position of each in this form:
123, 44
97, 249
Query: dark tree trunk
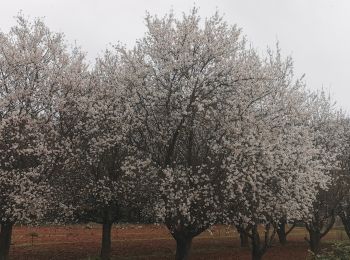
106, 236
183, 236
243, 235
317, 230
5, 240
260, 245
258, 249
281, 232
244, 239
183, 246
346, 223
256, 254
315, 241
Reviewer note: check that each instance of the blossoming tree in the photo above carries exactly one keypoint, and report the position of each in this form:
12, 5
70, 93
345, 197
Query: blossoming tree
329, 138
96, 121
269, 162
31, 64
215, 115
181, 73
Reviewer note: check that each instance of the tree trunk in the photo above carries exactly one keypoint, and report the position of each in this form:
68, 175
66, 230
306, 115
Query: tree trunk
315, 241
257, 253
244, 239
257, 248
281, 232
243, 235
317, 230
346, 223
5, 240
106, 237
183, 236
183, 246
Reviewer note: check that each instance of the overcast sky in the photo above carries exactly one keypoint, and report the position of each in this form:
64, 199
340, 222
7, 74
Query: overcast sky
315, 32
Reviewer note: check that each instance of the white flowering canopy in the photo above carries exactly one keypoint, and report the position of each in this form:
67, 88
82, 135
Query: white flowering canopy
34, 65
229, 130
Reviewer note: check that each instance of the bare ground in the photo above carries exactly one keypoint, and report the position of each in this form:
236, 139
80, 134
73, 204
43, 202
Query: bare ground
151, 242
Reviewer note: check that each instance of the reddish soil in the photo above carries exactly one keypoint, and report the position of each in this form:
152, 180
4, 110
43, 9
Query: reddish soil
145, 242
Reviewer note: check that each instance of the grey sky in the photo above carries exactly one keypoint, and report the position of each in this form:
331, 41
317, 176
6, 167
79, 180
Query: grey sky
315, 32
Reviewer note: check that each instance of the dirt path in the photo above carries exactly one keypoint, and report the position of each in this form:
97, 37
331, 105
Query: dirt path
144, 242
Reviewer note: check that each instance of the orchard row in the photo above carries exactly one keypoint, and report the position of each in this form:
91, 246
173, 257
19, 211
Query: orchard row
191, 127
